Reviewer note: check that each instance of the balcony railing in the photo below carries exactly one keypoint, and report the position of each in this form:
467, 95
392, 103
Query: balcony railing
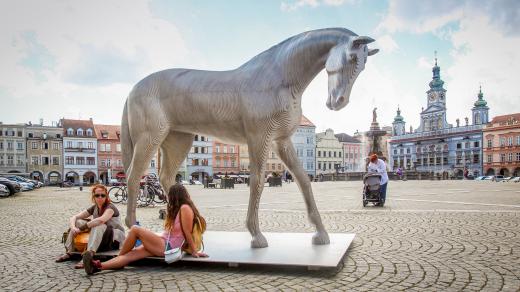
446, 131
86, 150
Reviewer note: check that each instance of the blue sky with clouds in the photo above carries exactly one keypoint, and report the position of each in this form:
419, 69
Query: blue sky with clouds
81, 58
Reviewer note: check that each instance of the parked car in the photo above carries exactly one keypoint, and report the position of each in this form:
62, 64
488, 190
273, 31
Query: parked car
480, 177
487, 178
497, 178
21, 180
506, 179
4, 191
13, 186
515, 179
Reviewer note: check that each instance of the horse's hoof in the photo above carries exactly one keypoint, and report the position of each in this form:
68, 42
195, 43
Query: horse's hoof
320, 238
259, 241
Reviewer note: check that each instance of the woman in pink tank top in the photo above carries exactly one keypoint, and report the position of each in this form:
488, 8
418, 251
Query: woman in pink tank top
180, 207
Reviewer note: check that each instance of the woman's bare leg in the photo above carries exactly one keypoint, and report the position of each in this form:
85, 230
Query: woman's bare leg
151, 241
123, 260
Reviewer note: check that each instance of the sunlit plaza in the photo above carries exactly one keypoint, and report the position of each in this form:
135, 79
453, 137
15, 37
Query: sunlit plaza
429, 236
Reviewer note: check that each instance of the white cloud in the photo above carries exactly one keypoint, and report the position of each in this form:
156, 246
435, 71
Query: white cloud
424, 63
96, 50
292, 6
386, 44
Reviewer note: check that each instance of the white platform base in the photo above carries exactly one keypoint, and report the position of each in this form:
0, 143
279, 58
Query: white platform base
285, 249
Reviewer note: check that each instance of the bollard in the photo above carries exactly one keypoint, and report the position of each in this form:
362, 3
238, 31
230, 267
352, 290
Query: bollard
81, 188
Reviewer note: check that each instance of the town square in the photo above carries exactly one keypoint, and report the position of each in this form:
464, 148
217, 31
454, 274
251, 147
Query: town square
430, 236
289, 145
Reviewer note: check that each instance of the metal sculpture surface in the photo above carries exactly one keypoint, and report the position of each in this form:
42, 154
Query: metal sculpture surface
258, 103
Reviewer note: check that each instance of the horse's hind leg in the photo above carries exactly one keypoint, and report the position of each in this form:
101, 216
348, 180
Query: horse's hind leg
173, 149
285, 150
257, 156
144, 149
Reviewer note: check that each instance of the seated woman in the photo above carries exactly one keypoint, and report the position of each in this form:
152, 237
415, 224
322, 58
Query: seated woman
106, 230
179, 202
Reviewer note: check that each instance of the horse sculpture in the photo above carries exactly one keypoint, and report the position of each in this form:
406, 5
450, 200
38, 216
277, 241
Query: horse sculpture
258, 103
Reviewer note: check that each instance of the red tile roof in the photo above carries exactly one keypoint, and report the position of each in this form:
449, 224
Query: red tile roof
306, 122
505, 118
112, 131
76, 124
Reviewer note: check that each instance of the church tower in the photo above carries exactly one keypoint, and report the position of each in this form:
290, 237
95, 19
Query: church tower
480, 110
434, 116
398, 125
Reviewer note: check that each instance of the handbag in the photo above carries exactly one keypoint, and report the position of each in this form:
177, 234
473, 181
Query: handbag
173, 254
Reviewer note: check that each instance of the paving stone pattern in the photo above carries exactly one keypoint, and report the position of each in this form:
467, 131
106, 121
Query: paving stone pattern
430, 236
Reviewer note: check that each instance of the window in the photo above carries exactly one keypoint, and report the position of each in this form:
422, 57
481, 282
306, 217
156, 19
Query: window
1, 145
108, 162
45, 160
90, 145
476, 158
108, 147
35, 160
34, 145
217, 149
58, 135
1, 158
395, 151
225, 163
517, 156
69, 160
517, 140
217, 162
319, 153
55, 160
119, 163
489, 158
510, 157
459, 145
502, 142
233, 163
225, 149
510, 141
102, 147
273, 166
231, 149
91, 161
196, 138
279, 166
489, 143
69, 144
118, 147
79, 132
103, 163
10, 159
9, 145
330, 154
56, 146
19, 160
152, 163
319, 165
45, 145
80, 160
476, 144
195, 149
407, 150
20, 134
70, 132
502, 158
202, 138
80, 144
30, 135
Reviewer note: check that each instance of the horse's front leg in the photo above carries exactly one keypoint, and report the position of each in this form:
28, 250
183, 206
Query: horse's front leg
285, 151
257, 155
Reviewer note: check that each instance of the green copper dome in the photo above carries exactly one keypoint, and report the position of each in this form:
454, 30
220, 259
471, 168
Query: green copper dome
398, 118
480, 101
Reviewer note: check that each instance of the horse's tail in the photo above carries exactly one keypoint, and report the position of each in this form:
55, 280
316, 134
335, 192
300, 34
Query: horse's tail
127, 147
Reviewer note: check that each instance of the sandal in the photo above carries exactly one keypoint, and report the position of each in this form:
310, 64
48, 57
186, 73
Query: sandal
79, 265
64, 258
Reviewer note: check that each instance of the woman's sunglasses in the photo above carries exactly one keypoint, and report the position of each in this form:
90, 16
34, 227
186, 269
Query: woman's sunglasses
100, 195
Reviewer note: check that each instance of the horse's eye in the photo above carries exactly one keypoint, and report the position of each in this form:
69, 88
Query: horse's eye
353, 57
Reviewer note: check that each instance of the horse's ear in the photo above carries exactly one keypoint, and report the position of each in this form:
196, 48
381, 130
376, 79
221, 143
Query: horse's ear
373, 52
361, 40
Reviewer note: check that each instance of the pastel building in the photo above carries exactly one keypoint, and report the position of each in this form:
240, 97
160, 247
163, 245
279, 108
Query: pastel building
79, 151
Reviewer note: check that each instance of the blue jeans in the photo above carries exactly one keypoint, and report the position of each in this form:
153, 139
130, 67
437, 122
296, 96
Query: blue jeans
383, 191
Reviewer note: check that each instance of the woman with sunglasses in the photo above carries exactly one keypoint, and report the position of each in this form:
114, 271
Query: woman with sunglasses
106, 230
180, 217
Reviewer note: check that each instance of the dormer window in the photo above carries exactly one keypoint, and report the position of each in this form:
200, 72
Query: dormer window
89, 132
80, 132
70, 132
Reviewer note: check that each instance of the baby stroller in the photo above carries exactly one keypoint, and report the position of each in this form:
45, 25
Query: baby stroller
372, 189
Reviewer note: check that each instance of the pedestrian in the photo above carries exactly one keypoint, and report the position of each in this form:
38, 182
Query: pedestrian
379, 166
180, 215
106, 230
399, 173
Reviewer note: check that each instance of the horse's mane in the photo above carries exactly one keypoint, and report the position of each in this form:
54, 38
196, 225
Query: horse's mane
285, 47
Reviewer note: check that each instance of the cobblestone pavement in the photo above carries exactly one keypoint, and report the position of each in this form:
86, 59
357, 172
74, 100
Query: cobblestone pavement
430, 236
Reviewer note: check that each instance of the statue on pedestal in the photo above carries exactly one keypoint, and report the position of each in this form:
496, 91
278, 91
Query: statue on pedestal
258, 103
374, 115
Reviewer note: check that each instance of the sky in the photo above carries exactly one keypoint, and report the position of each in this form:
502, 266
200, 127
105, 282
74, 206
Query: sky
80, 59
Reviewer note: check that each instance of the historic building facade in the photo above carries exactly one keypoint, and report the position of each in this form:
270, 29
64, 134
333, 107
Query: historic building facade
45, 153
12, 148
200, 157
304, 141
110, 160
352, 159
79, 151
437, 146
329, 153
502, 146
226, 158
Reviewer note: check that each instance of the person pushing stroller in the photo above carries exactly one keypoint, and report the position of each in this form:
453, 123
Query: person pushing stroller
379, 166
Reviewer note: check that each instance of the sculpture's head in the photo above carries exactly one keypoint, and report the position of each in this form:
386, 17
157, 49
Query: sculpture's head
344, 63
